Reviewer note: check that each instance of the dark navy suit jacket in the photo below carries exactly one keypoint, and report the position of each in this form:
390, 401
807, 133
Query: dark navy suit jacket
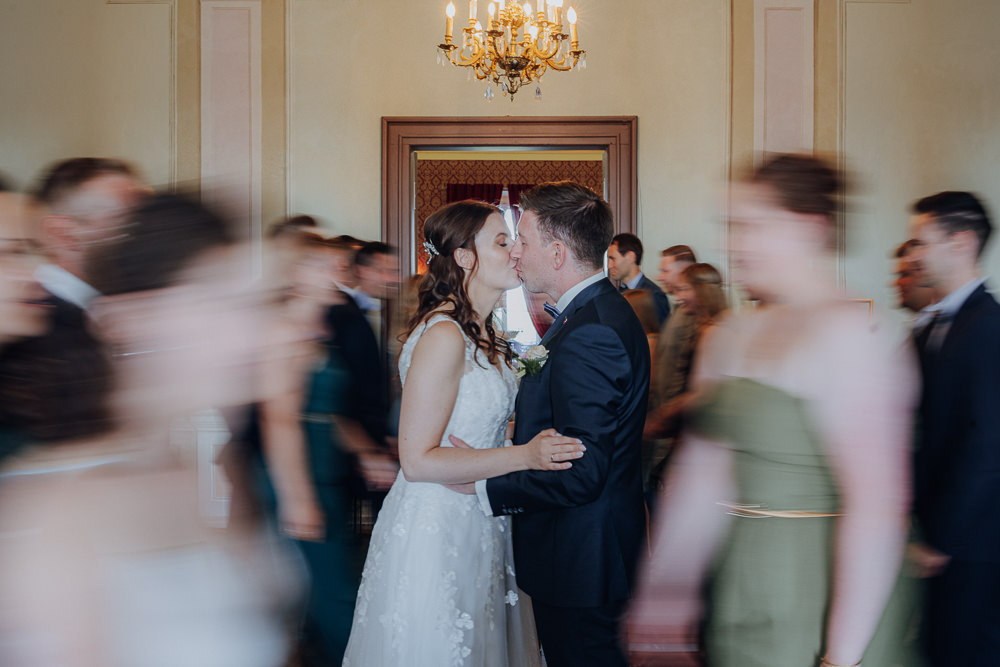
578, 532
957, 462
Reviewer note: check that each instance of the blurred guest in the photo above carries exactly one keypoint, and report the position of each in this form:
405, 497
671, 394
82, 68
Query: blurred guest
644, 305
957, 465
671, 369
84, 203
911, 295
700, 296
104, 557
312, 479
377, 269
23, 312
625, 269
802, 435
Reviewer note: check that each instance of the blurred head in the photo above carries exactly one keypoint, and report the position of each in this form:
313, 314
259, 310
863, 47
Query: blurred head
782, 222
472, 246
22, 312
87, 201
377, 269
624, 257
644, 306
186, 322
564, 231
673, 260
950, 231
699, 291
313, 272
910, 294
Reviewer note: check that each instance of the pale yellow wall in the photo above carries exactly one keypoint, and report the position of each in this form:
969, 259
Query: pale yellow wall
82, 77
662, 60
923, 115
92, 77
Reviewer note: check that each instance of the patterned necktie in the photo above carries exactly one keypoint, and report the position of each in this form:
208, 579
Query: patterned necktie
551, 310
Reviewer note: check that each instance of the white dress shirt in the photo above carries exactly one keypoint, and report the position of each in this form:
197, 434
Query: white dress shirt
63, 284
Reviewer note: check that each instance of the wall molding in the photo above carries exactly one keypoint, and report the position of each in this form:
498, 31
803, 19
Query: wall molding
172, 93
784, 76
231, 123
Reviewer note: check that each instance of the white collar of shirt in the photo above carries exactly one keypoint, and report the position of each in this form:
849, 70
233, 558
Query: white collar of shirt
366, 302
951, 304
571, 293
632, 284
63, 284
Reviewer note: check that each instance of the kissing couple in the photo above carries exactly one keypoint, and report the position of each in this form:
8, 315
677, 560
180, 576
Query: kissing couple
563, 506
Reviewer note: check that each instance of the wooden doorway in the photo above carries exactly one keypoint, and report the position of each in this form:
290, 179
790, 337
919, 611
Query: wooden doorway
402, 136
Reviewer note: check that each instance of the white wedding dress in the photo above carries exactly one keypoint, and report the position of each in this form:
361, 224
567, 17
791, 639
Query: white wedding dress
438, 586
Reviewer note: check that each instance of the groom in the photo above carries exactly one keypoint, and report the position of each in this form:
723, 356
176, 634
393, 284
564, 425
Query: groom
577, 532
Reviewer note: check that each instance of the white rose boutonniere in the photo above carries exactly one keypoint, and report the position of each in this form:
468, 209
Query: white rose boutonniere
532, 361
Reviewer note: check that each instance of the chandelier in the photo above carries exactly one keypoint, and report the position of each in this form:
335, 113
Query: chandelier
517, 47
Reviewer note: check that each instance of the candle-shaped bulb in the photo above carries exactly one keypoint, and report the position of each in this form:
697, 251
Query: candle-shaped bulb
449, 23
492, 9
574, 40
503, 4
533, 31
473, 9
556, 3
571, 15
527, 8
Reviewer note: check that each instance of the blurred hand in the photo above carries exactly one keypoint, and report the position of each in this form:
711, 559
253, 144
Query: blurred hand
379, 470
303, 520
926, 560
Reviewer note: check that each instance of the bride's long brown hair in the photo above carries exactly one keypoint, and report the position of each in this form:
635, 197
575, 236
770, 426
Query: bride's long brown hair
449, 228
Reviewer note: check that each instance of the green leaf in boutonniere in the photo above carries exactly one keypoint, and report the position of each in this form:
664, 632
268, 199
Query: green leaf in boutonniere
532, 361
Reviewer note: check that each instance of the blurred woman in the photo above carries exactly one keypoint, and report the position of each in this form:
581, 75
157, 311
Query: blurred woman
793, 478
105, 560
645, 309
23, 312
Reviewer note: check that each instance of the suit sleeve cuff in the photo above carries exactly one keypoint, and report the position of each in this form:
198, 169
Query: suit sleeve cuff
484, 499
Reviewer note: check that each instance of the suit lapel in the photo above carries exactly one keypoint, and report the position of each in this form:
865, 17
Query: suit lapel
578, 302
965, 316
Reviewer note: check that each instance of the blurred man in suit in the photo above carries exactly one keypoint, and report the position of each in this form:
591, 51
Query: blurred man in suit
910, 293
957, 462
625, 270
85, 203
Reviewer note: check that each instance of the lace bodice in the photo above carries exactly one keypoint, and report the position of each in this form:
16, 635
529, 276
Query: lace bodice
485, 400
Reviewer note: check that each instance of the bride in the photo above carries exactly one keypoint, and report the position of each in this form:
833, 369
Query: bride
438, 584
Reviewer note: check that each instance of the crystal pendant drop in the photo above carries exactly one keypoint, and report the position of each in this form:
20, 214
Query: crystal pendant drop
538, 93
439, 60
583, 62
488, 94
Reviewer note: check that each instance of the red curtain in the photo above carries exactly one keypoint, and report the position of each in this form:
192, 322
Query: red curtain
487, 192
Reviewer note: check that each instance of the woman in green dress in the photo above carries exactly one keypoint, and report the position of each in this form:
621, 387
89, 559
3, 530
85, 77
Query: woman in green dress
784, 517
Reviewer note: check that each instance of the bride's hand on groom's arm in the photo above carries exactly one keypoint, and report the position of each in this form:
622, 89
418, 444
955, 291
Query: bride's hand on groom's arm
549, 450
